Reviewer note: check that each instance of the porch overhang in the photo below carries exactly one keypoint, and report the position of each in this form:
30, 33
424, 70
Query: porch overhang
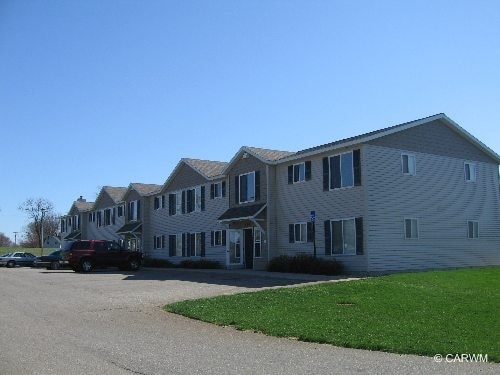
134, 228
242, 213
75, 235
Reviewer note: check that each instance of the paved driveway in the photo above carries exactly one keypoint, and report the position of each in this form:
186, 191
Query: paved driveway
60, 322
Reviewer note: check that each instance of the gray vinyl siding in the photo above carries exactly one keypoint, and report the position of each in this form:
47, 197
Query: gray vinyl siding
246, 165
434, 138
294, 202
186, 177
161, 223
104, 232
442, 201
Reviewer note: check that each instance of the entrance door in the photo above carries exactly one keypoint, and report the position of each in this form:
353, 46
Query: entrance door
248, 234
233, 250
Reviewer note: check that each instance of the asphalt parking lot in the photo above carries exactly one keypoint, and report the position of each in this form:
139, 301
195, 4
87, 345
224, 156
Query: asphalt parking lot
111, 322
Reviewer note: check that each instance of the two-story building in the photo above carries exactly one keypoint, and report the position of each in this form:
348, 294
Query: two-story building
73, 225
420, 195
185, 211
107, 214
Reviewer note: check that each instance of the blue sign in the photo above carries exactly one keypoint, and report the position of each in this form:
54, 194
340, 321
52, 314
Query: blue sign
313, 216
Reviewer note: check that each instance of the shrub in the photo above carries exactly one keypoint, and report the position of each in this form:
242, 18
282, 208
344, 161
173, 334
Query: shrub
160, 263
200, 264
303, 263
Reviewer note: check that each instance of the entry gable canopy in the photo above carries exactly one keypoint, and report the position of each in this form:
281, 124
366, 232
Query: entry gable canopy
133, 227
249, 212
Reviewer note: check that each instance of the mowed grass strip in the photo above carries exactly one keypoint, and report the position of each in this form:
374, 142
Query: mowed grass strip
422, 313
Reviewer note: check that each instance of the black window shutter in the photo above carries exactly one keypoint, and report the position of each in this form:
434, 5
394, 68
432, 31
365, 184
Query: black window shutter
359, 235
212, 191
162, 201
162, 241
202, 252
237, 189
290, 174
308, 170
171, 204
171, 245
328, 238
326, 174
223, 188
155, 204
257, 185
212, 239
335, 176
183, 196
113, 220
291, 233
192, 244
356, 156
183, 244
223, 238
138, 209
203, 198
310, 232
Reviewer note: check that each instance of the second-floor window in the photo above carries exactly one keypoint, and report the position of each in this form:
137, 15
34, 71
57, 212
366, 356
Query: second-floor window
470, 172
186, 201
218, 190
342, 170
299, 172
134, 210
107, 216
408, 164
120, 211
247, 187
159, 202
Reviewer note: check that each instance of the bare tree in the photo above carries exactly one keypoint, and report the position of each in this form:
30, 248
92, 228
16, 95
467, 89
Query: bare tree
39, 211
4, 240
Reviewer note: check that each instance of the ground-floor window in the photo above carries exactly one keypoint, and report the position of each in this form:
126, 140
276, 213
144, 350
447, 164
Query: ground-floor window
218, 238
472, 229
257, 240
344, 236
159, 242
411, 229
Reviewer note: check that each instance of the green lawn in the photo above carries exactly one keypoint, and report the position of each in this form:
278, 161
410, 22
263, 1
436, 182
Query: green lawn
422, 313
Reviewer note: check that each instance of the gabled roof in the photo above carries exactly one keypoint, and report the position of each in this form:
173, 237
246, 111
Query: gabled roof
264, 155
82, 206
115, 193
144, 189
208, 169
366, 137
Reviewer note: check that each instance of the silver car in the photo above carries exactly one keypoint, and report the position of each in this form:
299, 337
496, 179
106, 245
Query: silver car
18, 258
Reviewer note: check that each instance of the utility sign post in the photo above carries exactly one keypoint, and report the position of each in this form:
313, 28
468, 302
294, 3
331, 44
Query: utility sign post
312, 216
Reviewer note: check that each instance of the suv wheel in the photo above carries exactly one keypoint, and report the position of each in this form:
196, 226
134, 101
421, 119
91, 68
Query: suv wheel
86, 265
133, 264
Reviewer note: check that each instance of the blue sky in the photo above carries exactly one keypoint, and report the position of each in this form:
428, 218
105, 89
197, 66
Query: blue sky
97, 93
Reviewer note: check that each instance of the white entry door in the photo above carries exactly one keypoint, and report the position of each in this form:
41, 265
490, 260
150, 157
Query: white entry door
234, 256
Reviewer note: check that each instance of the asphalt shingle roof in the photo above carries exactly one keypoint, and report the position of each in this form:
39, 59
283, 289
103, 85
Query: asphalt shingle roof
116, 193
208, 168
145, 189
269, 155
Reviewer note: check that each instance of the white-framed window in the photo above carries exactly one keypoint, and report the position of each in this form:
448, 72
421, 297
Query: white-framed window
247, 187
472, 229
341, 170
411, 228
344, 236
133, 213
159, 242
299, 172
257, 243
217, 238
107, 216
470, 172
300, 232
217, 190
178, 245
408, 164
99, 218
120, 210
159, 202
